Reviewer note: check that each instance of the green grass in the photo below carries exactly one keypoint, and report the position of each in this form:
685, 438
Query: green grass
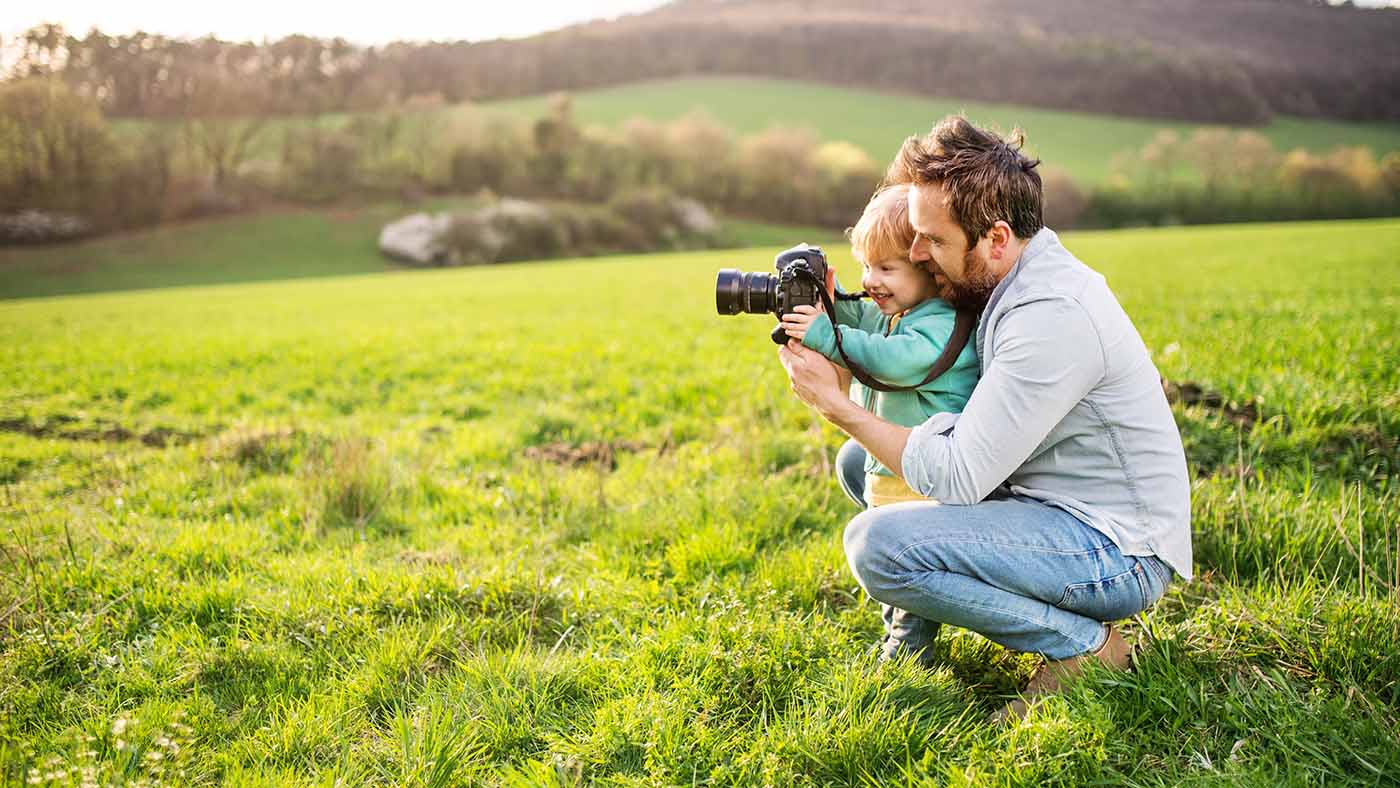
272, 245
315, 533
1082, 144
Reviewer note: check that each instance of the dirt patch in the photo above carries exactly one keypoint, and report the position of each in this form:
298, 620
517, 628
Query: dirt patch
600, 453
265, 448
1245, 414
53, 427
441, 557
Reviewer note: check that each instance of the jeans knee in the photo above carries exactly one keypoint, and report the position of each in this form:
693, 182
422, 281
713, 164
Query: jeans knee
869, 559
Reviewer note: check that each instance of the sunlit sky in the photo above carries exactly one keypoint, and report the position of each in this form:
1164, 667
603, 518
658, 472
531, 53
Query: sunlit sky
255, 20
404, 20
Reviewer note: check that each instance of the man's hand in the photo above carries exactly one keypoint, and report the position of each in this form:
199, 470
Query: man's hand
796, 324
814, 379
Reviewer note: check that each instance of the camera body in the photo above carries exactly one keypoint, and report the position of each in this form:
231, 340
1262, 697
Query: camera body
801, 273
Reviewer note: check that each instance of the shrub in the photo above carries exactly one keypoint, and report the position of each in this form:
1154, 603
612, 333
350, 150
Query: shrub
1065, 204
1220, 176
319, 164
54, 146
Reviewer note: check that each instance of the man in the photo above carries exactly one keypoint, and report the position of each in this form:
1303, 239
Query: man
1061, 497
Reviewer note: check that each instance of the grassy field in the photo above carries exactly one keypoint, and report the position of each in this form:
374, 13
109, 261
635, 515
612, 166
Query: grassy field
559, 523
272, 245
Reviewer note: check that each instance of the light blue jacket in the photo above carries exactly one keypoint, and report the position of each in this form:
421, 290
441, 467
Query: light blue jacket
1069, 410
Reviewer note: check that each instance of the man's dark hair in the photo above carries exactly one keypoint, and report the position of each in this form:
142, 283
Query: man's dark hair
987, 178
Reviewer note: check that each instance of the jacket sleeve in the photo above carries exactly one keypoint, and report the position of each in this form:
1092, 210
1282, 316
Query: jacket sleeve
1047, 356
903, 358
848, 313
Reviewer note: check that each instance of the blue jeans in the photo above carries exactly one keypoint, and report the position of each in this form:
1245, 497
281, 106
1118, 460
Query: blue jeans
1023, 574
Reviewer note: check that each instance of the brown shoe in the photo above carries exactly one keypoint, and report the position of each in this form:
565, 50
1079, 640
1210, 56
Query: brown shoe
1114, 653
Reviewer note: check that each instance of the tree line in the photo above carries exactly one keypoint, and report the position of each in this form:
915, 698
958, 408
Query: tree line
1218, 61
59, 154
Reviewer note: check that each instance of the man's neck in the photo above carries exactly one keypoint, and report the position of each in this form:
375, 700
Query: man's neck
1009, 259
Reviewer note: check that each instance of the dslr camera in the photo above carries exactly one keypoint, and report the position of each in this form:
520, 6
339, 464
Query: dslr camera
800, 279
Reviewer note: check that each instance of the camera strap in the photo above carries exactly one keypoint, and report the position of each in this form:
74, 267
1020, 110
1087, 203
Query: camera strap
962, 331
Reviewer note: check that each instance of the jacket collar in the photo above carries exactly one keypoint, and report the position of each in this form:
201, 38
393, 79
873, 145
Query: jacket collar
1041, 241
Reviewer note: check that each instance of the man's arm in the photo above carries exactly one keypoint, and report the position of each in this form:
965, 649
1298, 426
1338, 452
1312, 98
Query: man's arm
817, 382
1047, 357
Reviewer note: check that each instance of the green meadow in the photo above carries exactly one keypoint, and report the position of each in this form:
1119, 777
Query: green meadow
561, 524
263, 246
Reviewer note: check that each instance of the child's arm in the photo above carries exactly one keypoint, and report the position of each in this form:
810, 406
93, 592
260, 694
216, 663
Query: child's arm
848, 313
902, 359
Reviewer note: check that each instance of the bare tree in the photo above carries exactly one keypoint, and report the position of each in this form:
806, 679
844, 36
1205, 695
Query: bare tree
225, 116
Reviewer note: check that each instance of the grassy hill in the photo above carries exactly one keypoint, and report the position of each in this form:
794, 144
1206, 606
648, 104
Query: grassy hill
272, 245
525, 525
1082, 144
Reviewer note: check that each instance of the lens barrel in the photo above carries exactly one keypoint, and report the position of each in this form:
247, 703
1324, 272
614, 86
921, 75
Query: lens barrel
737, 292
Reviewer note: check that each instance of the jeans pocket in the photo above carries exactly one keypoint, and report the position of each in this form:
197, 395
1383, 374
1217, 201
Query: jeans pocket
1109, 599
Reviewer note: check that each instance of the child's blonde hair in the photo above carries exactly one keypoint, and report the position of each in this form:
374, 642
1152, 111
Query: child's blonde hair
883, 231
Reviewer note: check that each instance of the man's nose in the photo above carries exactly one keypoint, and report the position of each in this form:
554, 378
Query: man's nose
916, 252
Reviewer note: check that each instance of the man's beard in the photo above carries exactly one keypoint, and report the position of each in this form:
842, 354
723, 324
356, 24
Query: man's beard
977, 288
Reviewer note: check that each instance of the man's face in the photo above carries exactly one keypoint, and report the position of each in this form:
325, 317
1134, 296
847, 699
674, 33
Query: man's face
963, 274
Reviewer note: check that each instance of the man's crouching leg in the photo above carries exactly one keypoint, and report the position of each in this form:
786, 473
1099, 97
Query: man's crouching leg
1023, 574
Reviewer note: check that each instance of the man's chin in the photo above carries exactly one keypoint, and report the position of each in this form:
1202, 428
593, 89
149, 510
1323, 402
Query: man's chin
963, 297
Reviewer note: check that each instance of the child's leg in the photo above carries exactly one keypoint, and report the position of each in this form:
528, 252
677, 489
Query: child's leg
906, 633
850, 471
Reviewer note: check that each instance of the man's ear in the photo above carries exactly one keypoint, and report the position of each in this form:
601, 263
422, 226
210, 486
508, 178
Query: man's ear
1001, 236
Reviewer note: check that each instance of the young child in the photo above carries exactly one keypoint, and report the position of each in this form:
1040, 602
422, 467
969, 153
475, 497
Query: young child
896, 334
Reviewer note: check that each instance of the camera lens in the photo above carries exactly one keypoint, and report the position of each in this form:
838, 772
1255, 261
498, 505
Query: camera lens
736, 292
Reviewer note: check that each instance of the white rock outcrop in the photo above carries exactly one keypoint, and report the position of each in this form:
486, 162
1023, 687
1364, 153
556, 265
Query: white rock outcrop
416, 239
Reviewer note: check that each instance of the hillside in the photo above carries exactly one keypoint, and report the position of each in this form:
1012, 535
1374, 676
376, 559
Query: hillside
270, 245
1225, 61
1205, 60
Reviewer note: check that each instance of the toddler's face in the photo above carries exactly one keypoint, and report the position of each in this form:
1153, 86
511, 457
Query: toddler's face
897, 284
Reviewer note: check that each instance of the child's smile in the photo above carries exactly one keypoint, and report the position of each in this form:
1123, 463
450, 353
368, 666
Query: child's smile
897, 285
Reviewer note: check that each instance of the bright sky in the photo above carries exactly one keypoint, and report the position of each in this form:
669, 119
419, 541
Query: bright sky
254, 20
403, 20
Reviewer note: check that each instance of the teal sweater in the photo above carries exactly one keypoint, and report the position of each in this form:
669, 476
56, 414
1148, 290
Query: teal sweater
901, 357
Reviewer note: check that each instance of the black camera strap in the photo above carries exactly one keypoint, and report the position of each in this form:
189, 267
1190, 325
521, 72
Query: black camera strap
962, 331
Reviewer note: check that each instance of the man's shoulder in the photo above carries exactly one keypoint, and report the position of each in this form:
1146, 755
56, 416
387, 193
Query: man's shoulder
1054, 271
1053, 283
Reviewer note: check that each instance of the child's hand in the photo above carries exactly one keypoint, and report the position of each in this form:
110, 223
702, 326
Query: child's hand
796, 324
